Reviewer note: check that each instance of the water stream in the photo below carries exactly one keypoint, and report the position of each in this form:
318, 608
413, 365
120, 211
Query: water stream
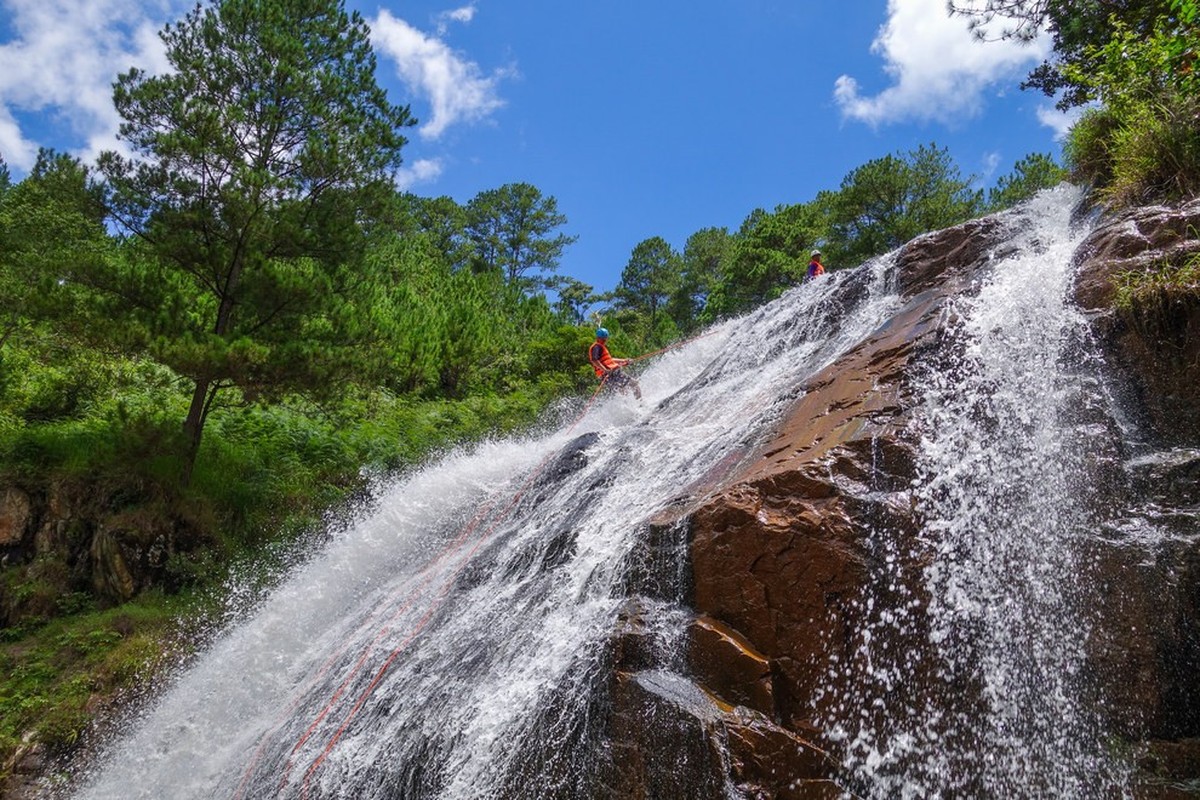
998, 613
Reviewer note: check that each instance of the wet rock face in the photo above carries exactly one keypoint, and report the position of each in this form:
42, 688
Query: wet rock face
780, 556
781, 551
1149, 602
1153, 343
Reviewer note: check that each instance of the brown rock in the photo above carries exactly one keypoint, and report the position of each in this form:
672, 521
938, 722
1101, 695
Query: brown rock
1177, 760
50, 538
110, 574
780, 553
665, 742
1146, 648
782, 547
16, 516
729, 667
670, 740
779, 556
632, 641
940, 259
768, 760
1134, 241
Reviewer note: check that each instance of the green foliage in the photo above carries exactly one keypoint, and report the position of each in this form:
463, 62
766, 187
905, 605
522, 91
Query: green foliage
650, 277
50, 230
55, 678
1143, 144
1076, 27
1030, 175
705, 256
574, 297
439, 224
257, 159
1138, 60
888, 201
512, 229
1160, 304
72, 413
1088, 149
766, 256
272, 470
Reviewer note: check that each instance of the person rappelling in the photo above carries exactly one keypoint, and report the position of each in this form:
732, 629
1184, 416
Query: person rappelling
608, 369
815, 267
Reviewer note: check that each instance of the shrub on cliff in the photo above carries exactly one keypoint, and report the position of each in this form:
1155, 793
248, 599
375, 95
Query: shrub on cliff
1143, 142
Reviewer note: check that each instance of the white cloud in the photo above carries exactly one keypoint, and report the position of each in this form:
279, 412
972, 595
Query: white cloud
991, 161
457, 89
423, 170
463, 15
17, 151
939, 71
1060, 122
61, 62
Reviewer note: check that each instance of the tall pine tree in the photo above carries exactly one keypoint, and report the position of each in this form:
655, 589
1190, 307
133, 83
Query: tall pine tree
255, 160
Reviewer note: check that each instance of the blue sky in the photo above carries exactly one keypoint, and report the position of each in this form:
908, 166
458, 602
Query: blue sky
643, 118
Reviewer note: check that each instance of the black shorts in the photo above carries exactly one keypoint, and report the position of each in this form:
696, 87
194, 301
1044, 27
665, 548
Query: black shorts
616, 379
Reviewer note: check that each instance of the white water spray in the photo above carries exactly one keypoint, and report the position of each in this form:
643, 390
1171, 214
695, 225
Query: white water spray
997, 617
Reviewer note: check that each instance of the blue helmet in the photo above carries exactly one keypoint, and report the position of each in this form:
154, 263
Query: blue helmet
601, 333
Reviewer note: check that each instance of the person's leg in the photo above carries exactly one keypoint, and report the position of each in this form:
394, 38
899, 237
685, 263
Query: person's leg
625, 383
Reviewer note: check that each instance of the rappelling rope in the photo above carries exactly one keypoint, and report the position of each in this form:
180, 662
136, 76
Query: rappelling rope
429, 571
444, 589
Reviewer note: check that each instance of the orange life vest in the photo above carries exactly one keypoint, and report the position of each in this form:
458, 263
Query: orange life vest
600, 360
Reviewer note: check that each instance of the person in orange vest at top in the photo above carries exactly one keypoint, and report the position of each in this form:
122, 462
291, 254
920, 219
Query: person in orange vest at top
608, 369
815, 267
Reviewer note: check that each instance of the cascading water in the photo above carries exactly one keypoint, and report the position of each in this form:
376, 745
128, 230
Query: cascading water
451, 644
997, 613
455, 642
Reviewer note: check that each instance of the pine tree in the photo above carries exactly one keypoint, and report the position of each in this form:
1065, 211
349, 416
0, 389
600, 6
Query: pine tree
255, 160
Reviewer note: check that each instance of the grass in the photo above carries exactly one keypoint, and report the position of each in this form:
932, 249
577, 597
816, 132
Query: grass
1166, 282
1159, 303
58, 677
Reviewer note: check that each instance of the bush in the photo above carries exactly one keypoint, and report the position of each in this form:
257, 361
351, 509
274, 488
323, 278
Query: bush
1144, 143
1157, 154
1088, 149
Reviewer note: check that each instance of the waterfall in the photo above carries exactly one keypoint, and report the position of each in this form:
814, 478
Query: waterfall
449, 645
997, 615
454, 642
